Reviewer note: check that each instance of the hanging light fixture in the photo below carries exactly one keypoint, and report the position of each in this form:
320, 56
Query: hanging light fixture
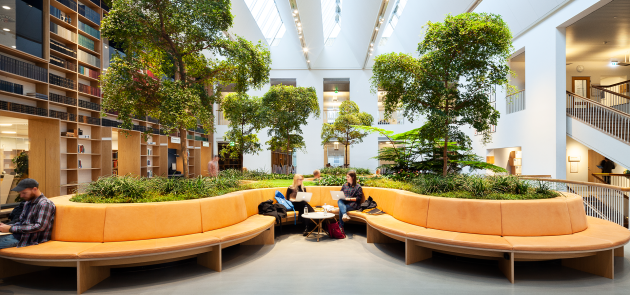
334, 98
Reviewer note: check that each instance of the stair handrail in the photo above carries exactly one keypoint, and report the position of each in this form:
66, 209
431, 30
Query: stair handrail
612, 85
588, 100
611, 92
607, 186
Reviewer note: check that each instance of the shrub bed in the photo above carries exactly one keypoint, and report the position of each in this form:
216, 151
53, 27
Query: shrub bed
128, 189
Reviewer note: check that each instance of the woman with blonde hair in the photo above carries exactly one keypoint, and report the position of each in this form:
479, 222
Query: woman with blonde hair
292, 191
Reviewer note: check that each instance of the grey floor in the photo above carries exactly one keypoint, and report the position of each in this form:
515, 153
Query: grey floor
295, 265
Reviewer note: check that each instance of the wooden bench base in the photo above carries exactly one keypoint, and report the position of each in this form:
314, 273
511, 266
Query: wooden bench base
92, 272
599, 263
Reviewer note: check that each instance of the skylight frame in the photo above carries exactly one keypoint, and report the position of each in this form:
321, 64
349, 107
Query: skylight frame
331, 20
393, 21
267, 17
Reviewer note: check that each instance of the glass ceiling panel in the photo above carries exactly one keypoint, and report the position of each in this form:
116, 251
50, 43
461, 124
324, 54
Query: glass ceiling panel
266, 14
393, 21
331, 20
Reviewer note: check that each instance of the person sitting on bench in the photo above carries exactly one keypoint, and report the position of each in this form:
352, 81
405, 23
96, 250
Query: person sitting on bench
34, 226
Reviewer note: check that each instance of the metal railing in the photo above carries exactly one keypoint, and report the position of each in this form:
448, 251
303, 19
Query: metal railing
604, 118
603, 201
615, 96
396, 118
515, 102
615, 179
330, 116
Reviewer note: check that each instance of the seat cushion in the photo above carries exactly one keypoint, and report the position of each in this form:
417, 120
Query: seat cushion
250, 226
559, 243
79, 223
385, 198
606, 230
316, 198
49, 250
222, 211
460, 239
465, 216
536, 217
325, 197
359, 216
145, 247
575, 204
252, 198
388, 224
412, 208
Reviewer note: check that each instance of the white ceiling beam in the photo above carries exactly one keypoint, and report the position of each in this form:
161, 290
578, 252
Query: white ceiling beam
380, 21
295, 12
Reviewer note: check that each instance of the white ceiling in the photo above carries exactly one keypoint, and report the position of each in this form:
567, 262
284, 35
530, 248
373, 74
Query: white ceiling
358, 18
603, 35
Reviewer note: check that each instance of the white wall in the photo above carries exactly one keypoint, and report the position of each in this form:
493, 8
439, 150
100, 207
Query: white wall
596, 70
574, 148
360, 92
540, 130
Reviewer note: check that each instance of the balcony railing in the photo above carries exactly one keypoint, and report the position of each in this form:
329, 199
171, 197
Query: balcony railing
604, 118
615, 96
515, 102
330, 116
396, 118
622, 180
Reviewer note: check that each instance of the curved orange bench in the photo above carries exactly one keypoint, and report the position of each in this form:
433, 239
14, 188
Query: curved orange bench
96, 237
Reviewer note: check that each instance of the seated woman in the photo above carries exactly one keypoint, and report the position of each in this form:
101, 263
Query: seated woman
354, 196
292, 191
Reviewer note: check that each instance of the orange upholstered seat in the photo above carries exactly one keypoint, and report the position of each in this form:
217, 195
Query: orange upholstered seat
492, 242
243, 229
150, 246
49, 250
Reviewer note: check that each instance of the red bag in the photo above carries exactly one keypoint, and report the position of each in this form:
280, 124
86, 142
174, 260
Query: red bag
335, 231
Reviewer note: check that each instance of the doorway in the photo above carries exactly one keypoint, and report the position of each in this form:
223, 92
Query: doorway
581, 86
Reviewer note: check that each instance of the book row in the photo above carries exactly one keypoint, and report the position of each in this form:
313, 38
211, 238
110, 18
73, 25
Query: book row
86, 42
60, 14
62, 99
89, 90
69, 3
89, 30
62, 48
90, 14
63, 63
11, 87
63, 82
63, 32
23, 69
89, 59
88, 72
89, 120
20, 108
89, 105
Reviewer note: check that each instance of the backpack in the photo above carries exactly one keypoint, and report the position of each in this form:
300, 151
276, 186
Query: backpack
368, 204
270, 209
284, 202
335, 231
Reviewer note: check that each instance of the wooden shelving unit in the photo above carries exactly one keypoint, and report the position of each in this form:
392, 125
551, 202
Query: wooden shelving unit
72, 108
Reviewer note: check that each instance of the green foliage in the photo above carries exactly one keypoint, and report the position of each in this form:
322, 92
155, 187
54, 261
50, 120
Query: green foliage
286, 109
165, 72
253, 175
343, 171
344, 128
21, 164
460, 62
336, 180
244, 114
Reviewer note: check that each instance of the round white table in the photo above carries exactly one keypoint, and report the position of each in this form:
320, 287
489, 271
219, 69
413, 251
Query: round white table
318, 218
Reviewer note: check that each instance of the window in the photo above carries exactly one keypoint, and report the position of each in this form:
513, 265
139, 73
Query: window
266, 14
393, 21
331, 20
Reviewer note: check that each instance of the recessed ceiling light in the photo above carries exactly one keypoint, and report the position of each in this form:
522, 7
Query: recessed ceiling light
305, 49
308, 61
6, 7
300, 36
299, 24
376, 29
371, 44
9, 132
6, 29
5, 125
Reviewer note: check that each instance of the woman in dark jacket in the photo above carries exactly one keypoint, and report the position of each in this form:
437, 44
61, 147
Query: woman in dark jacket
292, 191
354, 195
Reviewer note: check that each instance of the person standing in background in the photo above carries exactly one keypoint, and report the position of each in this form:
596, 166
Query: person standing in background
317, 175
607, 167
213, 167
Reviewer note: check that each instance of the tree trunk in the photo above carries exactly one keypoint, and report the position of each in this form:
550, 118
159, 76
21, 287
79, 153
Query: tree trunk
346, 163
183, 150
290, 153
445, 166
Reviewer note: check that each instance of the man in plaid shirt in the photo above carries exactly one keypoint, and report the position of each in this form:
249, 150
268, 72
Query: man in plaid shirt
34, 226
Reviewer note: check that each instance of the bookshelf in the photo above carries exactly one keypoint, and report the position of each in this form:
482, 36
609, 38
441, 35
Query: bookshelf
60, 96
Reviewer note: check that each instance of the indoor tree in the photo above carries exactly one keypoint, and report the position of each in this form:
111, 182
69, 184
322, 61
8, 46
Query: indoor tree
344, 128
460, 61
286, 109
176, 58
244, 114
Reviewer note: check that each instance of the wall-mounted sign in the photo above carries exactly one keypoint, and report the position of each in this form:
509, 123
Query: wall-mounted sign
574, 158
176, 140
206, 144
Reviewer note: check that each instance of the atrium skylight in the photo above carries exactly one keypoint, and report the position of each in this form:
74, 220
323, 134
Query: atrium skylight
331, 20
393, 21
266, 14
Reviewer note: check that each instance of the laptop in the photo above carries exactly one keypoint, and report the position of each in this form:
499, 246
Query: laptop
337, 195
306, 197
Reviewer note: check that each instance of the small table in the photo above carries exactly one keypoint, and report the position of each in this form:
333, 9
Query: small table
318, 218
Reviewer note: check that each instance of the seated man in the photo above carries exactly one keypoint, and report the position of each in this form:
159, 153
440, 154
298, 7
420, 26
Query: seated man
34, 226
316, 175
